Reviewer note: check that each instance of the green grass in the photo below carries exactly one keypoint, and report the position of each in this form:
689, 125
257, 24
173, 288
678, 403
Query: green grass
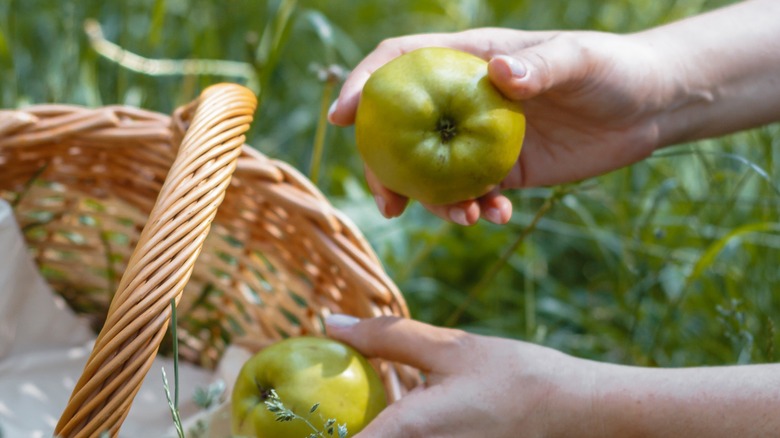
672, 261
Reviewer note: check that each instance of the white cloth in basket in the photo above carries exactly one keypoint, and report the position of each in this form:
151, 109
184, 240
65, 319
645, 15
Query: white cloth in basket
44, 346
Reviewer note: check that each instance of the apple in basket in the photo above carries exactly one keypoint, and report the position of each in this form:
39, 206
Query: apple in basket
303, 386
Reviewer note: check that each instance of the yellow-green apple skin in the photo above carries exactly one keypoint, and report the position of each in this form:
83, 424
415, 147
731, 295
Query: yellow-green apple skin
304, 371
431, 126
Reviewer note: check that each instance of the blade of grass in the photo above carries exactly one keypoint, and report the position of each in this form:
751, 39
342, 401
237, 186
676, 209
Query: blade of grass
763, 174
334, 39
324, 30
590, 225
158, 19
5, 51
322, 126
272, 42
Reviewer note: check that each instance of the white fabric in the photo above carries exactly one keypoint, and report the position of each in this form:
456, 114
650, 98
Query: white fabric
44, 346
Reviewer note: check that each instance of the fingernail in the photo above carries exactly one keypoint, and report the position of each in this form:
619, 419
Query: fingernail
493, 215
516, 67
381, 204
332, 109
458, 215
339, 320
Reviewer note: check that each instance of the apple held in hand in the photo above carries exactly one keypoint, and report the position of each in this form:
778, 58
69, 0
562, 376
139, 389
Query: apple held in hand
431, 126
305, 371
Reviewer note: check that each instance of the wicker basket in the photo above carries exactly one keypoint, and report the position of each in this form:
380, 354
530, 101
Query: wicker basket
120, 210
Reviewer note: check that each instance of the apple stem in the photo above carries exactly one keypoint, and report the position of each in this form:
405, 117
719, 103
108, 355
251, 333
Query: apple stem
446, 128
265, 393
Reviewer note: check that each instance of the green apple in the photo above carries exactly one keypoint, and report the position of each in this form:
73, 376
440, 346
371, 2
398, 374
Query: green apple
431, 126
304, 371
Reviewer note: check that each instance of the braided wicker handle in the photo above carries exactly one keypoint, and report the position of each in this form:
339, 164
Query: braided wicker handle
161, 264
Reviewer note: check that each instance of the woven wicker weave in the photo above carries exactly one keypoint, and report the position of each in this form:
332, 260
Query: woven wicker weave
119, 208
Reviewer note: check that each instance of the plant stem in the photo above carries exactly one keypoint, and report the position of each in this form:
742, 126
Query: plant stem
478, 290
530, 307
174, 404
175, 355
319, 433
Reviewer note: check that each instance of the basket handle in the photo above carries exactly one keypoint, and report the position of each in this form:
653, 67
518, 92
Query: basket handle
161, 263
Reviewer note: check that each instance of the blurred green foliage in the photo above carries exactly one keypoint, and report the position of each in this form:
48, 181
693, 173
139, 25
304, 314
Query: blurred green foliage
673, 261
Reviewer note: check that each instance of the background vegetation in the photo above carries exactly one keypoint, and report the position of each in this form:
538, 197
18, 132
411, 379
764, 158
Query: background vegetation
673, 261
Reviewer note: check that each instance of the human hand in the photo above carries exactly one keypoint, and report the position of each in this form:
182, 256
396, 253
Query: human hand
475, 385
591, 102
484, 386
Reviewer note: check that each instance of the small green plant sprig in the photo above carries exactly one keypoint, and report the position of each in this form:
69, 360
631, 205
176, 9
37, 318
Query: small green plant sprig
274, 404
173, 402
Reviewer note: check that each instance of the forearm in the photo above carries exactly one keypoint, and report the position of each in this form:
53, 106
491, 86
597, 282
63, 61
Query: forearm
723, 71
733, 401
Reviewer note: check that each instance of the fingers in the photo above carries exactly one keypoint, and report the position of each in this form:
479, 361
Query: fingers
493, 207
435, 351
425, 347
464, 213
389, 203
537, 69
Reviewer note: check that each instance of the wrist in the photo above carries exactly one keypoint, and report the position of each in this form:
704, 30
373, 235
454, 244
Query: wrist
708, 401
677, 96
574, 404
716, 82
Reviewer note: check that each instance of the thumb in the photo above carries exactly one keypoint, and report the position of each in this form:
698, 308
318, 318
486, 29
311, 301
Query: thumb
402, 340
537, 69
